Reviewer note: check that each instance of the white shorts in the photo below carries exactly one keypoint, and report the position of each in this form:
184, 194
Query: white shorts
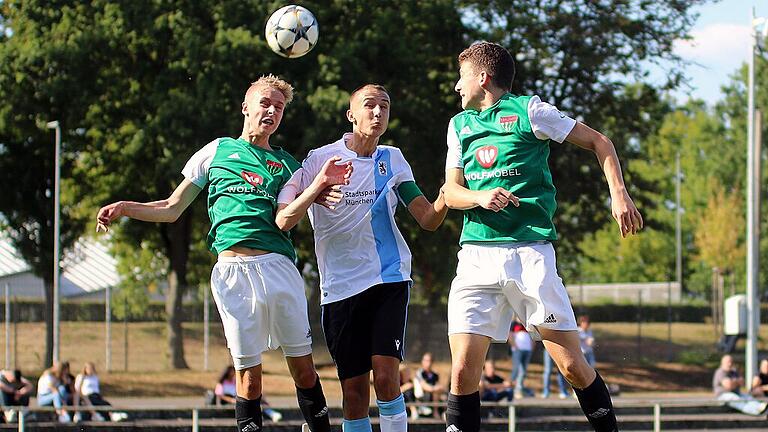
262, 305
495, 283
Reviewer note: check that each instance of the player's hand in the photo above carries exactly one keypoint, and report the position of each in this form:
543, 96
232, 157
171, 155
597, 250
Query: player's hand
496, 199
107, 214
330, 196
626, 214
333, 173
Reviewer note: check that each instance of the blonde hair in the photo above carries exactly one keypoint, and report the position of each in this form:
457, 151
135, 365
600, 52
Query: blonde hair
274, 82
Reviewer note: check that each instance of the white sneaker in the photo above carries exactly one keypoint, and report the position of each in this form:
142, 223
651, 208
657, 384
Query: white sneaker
276, 416
64, 418
118, 416
77, 417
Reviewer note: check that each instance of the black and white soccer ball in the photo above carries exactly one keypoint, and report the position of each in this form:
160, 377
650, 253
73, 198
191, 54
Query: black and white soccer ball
292, 31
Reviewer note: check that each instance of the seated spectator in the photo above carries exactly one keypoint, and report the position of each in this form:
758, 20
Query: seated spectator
727, 383
88, 393
16, 391
427, 387
225, 389
49, 392
760, 381
493, 387
226, 392
407, 388
66, 384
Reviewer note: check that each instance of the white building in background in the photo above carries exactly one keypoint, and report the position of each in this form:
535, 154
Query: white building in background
87, 270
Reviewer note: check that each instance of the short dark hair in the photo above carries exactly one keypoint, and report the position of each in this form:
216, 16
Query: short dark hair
492, 58
378, 87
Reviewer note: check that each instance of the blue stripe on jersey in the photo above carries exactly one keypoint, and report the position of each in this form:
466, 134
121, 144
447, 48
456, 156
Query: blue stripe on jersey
381, 221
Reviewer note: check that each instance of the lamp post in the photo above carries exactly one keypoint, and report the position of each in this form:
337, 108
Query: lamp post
753, 187
56, 216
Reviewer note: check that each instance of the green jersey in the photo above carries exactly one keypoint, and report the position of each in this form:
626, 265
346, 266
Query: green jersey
243, 183
507, 146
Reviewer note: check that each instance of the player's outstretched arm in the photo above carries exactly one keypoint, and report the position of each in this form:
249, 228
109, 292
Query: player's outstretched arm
429, 215
458, 197
331, 174
622, 207
167, 210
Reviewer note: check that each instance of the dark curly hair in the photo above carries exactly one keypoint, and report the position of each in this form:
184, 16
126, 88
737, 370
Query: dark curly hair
492, 58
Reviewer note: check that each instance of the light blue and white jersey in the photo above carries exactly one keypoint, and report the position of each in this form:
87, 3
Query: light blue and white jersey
358, 244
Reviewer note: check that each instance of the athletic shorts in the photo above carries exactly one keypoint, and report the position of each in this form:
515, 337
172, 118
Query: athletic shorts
367, 324
495, 283
262, 305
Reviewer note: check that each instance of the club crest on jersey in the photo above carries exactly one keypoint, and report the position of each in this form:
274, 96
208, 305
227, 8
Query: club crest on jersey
252, 178
507, 122
382, 168
486, 156
274, 167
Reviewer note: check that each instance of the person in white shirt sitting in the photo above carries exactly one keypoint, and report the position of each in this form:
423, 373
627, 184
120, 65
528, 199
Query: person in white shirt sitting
87, 392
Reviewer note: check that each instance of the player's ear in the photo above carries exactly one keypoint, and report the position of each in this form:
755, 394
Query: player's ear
245, 109
483, 79
351, 117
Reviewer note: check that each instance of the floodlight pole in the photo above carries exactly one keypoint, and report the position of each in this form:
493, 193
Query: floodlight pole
753, 185
56, 239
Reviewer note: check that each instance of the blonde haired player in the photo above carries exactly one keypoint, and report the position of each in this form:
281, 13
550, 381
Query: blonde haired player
256, 286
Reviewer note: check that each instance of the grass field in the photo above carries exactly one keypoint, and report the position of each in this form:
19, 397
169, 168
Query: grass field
637, 365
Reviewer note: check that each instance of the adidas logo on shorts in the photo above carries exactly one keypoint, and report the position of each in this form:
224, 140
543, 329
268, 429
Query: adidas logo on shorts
550, 319
322, 412
452, 428
601, 412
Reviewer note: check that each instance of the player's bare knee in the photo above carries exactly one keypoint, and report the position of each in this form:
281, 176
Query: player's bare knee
577, 374
387, 386
305, 377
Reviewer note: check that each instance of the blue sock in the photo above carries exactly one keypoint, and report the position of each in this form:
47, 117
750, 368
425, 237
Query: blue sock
358, 425
392, 415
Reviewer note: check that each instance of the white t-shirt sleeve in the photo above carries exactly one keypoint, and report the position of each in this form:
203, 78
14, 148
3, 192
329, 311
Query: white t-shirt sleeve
547, 122
196, 169
292, 188
300, 180
453, 158
406, 174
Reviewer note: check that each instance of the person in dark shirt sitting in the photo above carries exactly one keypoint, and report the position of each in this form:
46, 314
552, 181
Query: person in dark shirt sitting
493, 387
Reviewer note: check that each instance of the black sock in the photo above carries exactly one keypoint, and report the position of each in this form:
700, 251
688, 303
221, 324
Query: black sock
248, 414
596, 404
313, 407
463, 414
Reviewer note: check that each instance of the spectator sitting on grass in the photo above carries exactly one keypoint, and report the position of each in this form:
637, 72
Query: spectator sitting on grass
727, 383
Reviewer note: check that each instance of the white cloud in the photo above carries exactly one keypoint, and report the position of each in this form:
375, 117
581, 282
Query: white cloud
717, 45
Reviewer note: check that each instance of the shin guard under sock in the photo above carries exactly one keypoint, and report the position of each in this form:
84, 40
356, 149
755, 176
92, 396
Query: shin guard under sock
463, 414
596, 404
313, 407
248, 414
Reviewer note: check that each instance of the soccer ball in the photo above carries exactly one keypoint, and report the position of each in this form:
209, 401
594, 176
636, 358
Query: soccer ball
292, 31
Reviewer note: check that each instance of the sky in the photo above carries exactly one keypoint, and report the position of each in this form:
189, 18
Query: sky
719, 46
